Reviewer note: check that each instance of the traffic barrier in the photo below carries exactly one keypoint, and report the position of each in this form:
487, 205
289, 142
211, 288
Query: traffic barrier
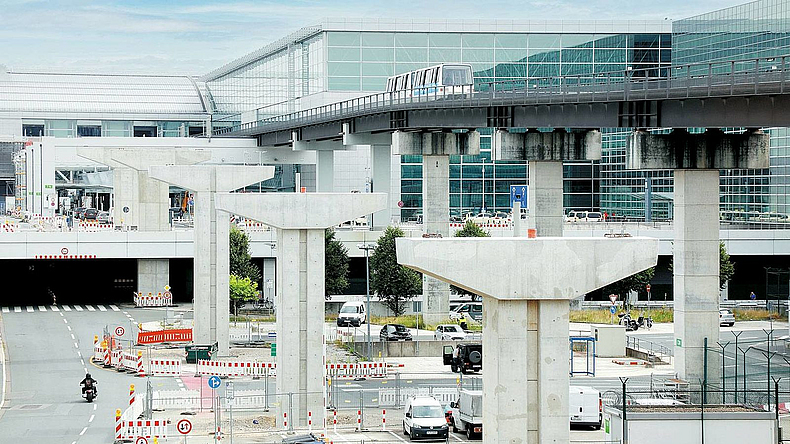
334, 419
65, 256
359, 420
159, 367
153, 300
285, 420
309, 421
140, 370
236, 368
131, 395
389, 396
151, 428
117, 358
129, 361
8, 228
383, 420
176, 399
118, 424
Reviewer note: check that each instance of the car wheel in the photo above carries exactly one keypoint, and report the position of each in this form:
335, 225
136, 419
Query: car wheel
453, 368
411, 434
404, 429
455, 429
469, 433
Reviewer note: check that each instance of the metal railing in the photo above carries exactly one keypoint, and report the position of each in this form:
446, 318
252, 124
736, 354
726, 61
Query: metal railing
760, 76
654, 349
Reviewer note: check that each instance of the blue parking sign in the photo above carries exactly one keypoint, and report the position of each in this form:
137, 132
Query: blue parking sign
518, 193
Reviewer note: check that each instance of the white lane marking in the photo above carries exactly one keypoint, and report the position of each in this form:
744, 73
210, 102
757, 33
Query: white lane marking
29, 309
69, 327
66, 308
94, 406
2, 381
114, 308
131, 319
17, 309
92, 416
79, 353
101, 308
83, 431
76, 345
6, 310
90, 308
83, 363
72, 337
65, 321
61, 314
396, 435
84, 369
456, 438
78, 307
42, 308
54, 308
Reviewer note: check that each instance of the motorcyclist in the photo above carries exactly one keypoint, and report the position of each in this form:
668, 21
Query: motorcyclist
88, 381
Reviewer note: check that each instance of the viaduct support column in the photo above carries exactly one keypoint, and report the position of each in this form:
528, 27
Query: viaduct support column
380, 145
545, 152
325, 171
526, 285
696, 159
141, 201
212, 260
300, 220
436, 149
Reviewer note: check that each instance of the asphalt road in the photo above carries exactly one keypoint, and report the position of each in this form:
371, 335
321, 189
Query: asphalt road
48, 353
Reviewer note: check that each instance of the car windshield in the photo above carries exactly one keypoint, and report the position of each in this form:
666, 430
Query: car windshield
349, 309
400, 328
452, 328
428, 411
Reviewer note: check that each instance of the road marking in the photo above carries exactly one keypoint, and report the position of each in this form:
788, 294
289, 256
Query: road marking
76, 345
83, 363
79, 353
396, 435
69, 327
101, 308
94, 406
83, 431
72, 337
114, 308
65, 321
453, 435
66, 308
29, 309
42, 308
54, 308
61, 314
17, 309
92, 416
6, 310
341, 437
90, 308
78, 308
2, 381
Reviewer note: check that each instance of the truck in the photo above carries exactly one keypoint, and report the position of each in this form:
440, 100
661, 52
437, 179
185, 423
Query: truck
586, 407
466, 414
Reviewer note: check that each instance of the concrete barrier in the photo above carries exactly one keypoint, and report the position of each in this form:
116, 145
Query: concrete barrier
400, 349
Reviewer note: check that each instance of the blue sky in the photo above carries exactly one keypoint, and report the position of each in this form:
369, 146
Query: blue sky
194, 37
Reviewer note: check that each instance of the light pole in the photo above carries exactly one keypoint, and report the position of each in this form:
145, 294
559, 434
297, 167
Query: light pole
367, 247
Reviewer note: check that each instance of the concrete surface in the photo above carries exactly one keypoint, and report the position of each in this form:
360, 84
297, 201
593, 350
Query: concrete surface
557, 145
152, 275
545, 198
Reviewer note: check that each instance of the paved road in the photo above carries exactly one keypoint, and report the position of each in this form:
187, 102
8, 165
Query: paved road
48, 352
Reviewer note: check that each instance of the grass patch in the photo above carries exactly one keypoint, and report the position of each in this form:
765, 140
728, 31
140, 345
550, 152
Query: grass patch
410, 321
251, 318
605, 317
756, 314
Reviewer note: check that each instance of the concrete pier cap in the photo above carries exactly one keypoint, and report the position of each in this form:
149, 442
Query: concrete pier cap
556, 145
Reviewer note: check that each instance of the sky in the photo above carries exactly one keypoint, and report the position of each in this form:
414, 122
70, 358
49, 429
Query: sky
194, 37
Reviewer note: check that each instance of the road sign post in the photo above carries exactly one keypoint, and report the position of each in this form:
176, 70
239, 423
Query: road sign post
229, 396
184, 427
214, 383
613, 298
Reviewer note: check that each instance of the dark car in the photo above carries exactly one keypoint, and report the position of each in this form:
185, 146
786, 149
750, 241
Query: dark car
463, 357
90, 214
301, 439
78, 212
394, 332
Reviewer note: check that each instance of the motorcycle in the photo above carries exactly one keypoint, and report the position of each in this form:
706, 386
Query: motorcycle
90, 392
633, 325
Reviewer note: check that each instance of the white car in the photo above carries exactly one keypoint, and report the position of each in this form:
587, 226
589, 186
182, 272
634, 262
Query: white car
424, 418
726, 318
594, 216
449, 332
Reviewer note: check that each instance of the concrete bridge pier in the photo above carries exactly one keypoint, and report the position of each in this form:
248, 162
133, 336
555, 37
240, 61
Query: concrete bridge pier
545, 152
300, 220
212, 228
435, 149
145, 200
526, 285
696, 160
380, 146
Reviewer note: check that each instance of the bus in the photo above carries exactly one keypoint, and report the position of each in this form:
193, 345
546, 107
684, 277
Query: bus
438, 80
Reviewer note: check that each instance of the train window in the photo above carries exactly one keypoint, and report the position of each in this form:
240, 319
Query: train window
389, 85
457, 75
435, 74
399, 86
422, 78
429, 77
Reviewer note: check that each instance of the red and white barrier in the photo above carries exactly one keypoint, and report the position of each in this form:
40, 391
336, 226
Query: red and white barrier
159, 367
154, 428
8, 228
153, 300
65, 256
359, 420
248, 368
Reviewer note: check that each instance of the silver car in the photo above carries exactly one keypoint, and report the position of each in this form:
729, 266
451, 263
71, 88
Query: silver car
726, 318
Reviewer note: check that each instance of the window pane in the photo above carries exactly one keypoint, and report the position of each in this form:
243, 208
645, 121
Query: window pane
411, 39
377, 54
335, 38
445, 39
378, 39
478, 40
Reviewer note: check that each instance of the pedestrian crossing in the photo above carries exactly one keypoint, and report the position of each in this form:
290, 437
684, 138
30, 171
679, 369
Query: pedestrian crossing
57, 308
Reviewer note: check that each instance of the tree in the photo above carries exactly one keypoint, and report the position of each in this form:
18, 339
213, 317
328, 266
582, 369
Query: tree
240, 260
636, 282
470, 229
242, 290
393, 283
336, 263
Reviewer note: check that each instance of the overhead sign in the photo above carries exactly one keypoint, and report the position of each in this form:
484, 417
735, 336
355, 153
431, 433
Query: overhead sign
518, 193
214, 382
119, 331
184, 427
158, 337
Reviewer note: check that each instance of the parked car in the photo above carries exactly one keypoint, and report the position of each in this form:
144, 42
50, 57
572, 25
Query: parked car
726, 318
594, 216
571, 216
90, 214
473, 309
451, 332
78, 212
482, 218
585, 407
394, 332
352, 313
424, 417
103, 217
463, 357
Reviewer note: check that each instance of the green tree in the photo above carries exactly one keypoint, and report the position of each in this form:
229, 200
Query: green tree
393, 283
242, 290
470, 229
336, 262
635, 282
240, 260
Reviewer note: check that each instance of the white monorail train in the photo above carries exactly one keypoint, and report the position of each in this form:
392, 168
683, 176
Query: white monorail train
444, 79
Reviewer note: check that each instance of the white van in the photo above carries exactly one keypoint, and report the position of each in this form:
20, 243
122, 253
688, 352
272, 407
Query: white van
473, 309
352, 313
586, 407
424, 418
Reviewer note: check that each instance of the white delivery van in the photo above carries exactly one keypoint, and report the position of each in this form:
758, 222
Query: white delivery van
352, 313
424, 418
586, 407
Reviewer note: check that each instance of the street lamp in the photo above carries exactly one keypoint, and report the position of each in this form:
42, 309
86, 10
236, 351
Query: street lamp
367, 247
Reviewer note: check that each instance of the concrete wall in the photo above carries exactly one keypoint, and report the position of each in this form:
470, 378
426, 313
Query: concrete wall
402, 349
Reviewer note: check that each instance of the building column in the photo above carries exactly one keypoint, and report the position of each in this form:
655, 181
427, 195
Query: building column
544, 197
153, 275
325, 171
381, 169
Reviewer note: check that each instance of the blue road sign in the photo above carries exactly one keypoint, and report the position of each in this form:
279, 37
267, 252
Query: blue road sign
272, 335
518, 193
214, 382
612, 309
